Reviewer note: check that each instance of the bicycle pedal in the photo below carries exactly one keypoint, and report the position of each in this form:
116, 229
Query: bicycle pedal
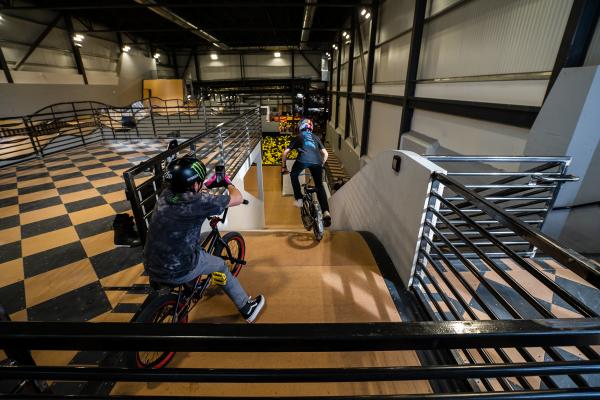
218, 278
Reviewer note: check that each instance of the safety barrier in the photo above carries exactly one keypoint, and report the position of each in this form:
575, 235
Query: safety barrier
467, 271
524, 186
67, 125
229, 143
20, 338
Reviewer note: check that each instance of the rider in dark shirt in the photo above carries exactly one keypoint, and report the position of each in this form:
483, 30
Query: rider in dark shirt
312, 155
173, 254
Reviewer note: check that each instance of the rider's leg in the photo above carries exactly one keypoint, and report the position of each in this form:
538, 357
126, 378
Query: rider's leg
317, 173
297, 168
232, 288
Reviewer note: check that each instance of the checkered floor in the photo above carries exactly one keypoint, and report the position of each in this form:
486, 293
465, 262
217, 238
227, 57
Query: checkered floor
57, 257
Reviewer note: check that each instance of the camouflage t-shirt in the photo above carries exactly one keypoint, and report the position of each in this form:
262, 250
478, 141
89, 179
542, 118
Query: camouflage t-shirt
172, 243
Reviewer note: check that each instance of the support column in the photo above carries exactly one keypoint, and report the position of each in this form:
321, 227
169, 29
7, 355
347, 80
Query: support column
197, 68
350, 75
338, 79
410, 83
364, 143
576, 38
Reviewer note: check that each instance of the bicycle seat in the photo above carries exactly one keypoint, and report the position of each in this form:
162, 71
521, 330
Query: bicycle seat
162, 285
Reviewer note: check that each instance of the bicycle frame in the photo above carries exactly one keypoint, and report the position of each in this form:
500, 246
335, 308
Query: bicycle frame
200, 286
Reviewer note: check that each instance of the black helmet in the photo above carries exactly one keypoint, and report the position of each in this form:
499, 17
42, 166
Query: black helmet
184, 172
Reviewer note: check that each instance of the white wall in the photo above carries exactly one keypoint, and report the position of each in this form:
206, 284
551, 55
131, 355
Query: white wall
392, 213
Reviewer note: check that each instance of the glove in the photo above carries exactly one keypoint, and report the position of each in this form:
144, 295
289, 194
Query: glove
284, 171
216, 181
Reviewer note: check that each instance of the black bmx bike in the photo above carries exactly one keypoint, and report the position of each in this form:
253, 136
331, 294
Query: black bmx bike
311, 213
171, 304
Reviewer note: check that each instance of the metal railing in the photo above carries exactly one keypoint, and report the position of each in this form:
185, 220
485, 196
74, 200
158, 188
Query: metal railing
467, 271
20, 338
67, 125
229, 144
525, 187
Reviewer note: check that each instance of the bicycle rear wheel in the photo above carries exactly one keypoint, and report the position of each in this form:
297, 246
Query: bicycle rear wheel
161, 310
307, 220
237, 246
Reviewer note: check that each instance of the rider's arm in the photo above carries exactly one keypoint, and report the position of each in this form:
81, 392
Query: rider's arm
284, 159
235, 196
325, 155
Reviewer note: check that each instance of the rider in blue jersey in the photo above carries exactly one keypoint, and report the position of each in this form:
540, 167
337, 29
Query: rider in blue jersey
312, 155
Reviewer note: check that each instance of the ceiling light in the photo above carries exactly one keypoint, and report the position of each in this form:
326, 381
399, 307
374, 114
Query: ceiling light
126, 49
347, 42
344, 34
78, 37
157, 56
368, 16
363, 12
334, 46
277, 54
1, 17
214, 56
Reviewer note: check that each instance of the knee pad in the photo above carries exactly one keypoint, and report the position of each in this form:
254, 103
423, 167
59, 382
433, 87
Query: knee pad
218, 278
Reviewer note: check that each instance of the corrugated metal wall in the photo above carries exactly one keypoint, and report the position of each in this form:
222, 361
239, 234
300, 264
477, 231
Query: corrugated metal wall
485, 41
494, 37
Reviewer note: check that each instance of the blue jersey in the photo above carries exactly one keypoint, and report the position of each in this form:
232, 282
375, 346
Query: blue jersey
309, 148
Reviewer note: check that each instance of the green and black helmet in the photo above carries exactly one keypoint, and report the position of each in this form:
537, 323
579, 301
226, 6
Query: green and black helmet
184, 172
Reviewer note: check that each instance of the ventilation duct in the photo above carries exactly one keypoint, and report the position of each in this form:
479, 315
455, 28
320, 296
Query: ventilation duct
309, 13
171, 16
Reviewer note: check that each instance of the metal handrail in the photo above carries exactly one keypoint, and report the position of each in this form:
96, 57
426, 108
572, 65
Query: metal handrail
577, 263
223, 141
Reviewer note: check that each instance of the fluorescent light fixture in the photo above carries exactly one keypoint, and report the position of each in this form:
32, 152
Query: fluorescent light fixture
214, 56
126, 49
78, 37
277, 54
363, 12
368, 16
157, 56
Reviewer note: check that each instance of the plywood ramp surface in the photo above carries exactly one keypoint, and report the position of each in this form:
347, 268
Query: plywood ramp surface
334, 281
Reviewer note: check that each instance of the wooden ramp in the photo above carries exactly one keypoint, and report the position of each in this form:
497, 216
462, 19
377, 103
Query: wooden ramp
334, 281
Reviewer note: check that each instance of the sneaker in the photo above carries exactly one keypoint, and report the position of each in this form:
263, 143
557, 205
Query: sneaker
326, 219
298, 203
252, 308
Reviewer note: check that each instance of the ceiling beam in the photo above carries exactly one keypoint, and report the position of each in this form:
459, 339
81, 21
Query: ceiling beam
310, 62
129, 5
75, 49
215, 29
5, 68
38, 40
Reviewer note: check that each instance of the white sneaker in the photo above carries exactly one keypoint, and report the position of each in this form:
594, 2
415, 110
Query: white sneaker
298, 203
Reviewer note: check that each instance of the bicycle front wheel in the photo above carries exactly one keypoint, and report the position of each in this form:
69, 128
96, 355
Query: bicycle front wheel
318, 227
235, 244
161, 310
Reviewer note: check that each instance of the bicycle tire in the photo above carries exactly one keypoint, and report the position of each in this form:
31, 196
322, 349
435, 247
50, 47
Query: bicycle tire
155, 312
240, 254
318, 227
307, 220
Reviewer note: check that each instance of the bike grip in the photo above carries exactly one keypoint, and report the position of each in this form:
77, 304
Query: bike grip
245, 201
